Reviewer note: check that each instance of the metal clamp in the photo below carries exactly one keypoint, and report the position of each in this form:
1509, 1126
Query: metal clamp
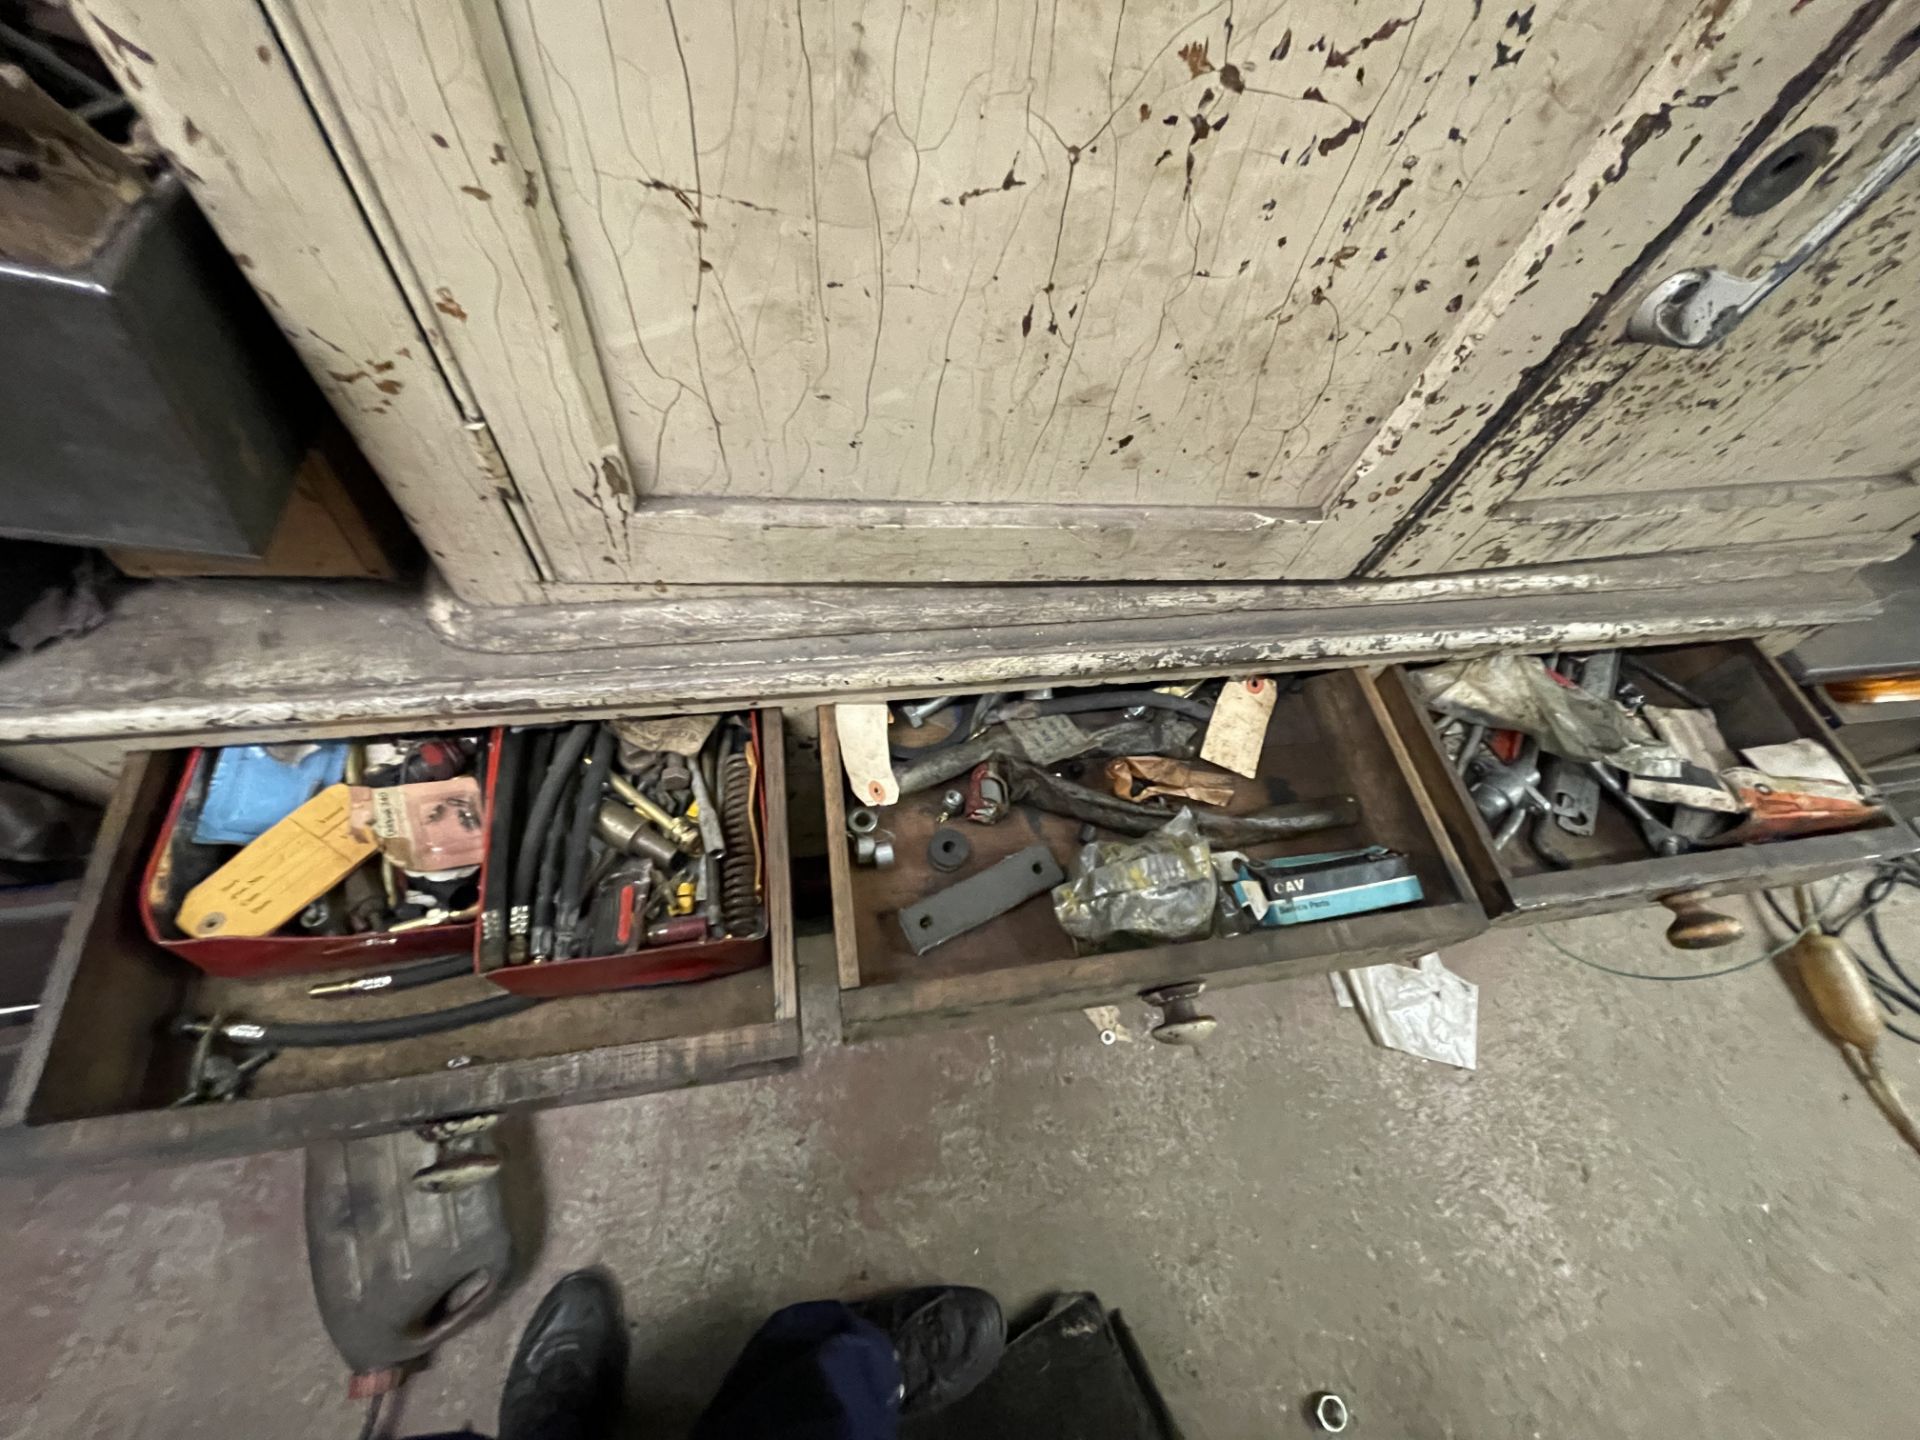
215, 1079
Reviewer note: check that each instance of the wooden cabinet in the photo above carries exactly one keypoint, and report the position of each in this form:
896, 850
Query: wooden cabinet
730, 355
624, 297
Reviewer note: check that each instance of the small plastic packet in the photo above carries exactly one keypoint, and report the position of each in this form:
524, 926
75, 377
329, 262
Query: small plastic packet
1160, 887
436, 825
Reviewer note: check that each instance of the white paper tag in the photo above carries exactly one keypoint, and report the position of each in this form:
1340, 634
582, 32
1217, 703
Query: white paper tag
863, 752
1694, 733
1238, 731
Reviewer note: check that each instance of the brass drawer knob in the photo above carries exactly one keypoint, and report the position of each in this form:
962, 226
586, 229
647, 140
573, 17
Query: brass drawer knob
1697, 927
1181, 1020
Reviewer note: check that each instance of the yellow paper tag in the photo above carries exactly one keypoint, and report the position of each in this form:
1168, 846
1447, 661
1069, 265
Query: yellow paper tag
1238, 731
275, 877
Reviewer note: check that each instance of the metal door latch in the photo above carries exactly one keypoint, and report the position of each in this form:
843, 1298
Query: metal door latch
1703, 306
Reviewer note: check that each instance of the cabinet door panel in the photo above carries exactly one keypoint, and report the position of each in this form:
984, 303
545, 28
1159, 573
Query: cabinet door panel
1085, 291
1799, 426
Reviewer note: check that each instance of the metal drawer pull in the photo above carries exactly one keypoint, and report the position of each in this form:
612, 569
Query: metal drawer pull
1181, 1019
1701, 307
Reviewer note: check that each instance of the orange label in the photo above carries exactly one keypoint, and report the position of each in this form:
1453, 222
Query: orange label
280, 874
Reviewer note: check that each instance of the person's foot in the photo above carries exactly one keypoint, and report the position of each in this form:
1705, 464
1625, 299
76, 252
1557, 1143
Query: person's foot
947, 1339
570, 1369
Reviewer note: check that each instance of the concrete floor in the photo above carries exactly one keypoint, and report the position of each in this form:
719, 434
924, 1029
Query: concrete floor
1655, 1210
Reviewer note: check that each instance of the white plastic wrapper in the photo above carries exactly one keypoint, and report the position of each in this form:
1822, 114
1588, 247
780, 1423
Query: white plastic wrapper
1430, 1011
1160, 887
1515, 692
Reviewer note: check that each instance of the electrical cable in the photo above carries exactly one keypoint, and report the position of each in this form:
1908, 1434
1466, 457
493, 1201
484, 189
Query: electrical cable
1759, 959
1886, 951
1898, 992
1892, 998
372, 1423
753, 807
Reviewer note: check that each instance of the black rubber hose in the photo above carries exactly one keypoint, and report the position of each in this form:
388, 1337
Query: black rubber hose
572, 888
962, 731
560, 769
547, 884
414, 974
1110, 700
308, 1035
1031, 785
1886, 951
506, 789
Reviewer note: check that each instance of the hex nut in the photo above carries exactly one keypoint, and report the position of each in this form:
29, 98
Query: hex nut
1330, 1412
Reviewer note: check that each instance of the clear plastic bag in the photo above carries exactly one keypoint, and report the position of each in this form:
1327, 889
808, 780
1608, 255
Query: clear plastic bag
1160, 887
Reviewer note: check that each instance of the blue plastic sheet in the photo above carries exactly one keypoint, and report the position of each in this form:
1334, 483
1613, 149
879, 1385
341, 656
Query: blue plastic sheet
255, 787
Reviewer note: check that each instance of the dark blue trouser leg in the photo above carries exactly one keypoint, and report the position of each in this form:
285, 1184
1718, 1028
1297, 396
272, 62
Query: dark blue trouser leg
812, 1372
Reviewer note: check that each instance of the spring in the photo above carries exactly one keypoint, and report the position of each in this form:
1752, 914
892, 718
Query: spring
740, 866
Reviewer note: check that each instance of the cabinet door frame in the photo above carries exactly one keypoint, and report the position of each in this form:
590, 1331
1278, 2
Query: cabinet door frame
325, 167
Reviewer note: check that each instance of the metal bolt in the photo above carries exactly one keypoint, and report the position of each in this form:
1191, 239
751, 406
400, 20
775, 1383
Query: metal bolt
917, 712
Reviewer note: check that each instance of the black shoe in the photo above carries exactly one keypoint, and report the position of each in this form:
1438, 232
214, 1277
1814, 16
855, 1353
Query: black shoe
947, 1339
570, 1370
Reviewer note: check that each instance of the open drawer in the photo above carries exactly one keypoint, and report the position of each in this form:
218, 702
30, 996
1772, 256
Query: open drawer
1754, 703
104, 1065
1329, 736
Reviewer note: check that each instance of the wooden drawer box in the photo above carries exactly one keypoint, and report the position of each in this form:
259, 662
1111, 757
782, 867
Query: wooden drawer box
102, 1065
1755, 703
1329, 735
